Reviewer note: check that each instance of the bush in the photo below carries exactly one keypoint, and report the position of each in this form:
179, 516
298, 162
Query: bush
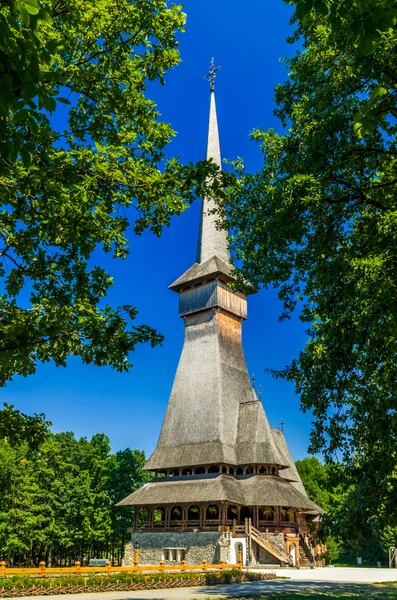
94, 580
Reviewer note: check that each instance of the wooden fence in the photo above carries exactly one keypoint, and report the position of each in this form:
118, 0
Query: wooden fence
77, 569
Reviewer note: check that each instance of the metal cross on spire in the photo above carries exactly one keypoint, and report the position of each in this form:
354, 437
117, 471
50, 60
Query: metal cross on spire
211, 75
282, 425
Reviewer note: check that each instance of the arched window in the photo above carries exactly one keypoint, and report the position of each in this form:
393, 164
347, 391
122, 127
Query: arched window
231, 471
262, 471
176, 513
245, 513
186, 472
274, 471
199, 471
239, 471
193, 513
266, 513
174, 473
143, 515
249, 470
232, 512
213, 469
224, 469
212, 512
158, 516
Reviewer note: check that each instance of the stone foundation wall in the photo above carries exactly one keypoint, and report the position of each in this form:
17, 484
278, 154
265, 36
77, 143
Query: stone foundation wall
199, 546
263, 557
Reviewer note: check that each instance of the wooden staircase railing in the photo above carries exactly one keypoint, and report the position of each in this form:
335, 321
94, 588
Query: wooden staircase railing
265, 541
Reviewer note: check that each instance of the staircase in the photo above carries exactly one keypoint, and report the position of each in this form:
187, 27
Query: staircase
304, 561
306, 554
266, 542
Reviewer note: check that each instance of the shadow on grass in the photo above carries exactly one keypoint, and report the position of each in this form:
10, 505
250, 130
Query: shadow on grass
298, 590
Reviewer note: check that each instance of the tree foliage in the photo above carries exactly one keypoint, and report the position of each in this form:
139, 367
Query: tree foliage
318, 222
82, 160
16, 427
57, 501
346, 533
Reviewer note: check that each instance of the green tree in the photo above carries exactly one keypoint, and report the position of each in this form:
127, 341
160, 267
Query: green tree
126, 476
57, 501
318, 223
16, 427
315, 480
74, 180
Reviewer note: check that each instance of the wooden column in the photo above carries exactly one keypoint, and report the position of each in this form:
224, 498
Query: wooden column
255, 516
167, 516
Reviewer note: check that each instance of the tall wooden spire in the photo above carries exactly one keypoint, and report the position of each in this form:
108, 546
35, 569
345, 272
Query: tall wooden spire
212, 240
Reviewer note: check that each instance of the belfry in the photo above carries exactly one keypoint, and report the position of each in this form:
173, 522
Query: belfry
224, 479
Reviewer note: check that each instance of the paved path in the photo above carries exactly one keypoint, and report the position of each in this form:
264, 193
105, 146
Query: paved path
316, 579
340, 574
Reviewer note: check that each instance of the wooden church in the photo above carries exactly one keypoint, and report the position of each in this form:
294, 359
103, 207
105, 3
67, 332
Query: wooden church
224, 479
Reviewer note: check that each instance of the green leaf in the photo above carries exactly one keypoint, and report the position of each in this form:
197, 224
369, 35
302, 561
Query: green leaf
29, 90
336, 25
20, 116
378, 92
63, 100
31, 6
33, 125
303, 8
321, 7
26, 158
43, 15
365, 45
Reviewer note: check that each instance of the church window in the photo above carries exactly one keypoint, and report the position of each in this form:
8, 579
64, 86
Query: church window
239, 471
213, 469
266, 513
186, 472
143, 515
193, 513
274, 471
212, 512
158, 516
249, 470
224, 469
262, 471
175, 473
199, 471
245, 513
232, 512
285, 514
231, 471
176, 513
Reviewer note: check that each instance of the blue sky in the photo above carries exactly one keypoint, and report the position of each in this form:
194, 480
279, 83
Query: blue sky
247, 39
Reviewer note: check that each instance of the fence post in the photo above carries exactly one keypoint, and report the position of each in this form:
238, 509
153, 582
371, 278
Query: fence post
204, 565
240, 560
136, 557
183, 565
2, 568
161, 566
42, 567
77, 567
108, 566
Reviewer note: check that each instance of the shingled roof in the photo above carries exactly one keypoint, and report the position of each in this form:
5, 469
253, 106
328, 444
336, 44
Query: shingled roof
252, 490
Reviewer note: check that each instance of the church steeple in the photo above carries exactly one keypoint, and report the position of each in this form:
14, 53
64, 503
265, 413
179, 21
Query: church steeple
213, 256
212, 240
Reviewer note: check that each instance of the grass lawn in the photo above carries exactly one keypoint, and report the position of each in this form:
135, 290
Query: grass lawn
377, 591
